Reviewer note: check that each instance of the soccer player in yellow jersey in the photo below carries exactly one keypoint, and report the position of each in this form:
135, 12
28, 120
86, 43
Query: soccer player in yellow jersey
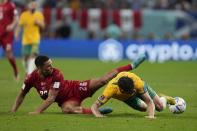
133, 91
31, 21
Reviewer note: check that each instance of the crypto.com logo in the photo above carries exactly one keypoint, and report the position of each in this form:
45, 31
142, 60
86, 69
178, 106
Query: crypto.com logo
110, 50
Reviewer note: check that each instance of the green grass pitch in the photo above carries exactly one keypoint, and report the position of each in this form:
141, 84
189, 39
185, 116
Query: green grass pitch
172, 78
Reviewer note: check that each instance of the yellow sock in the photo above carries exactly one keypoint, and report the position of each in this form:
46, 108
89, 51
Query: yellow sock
170, 100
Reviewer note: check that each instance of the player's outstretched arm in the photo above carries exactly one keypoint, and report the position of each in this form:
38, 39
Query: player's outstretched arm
95, 109
18, 101
50, 99
150, 105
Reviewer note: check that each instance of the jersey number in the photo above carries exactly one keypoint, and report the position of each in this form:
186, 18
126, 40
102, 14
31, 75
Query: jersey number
83, 88
43, 93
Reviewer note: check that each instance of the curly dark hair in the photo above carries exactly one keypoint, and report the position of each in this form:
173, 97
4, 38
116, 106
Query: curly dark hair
40, 60
126, 84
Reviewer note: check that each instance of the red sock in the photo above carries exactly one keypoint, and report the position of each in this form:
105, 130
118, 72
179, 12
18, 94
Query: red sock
13, 64
86, 111
124, 68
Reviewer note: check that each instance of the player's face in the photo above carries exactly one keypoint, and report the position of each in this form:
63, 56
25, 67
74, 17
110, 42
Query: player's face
32, 6
47, 68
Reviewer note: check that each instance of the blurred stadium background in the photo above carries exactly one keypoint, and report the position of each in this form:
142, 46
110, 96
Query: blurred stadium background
88, 19
169, 27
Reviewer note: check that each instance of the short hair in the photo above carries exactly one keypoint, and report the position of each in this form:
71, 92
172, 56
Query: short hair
40, 60
126, 84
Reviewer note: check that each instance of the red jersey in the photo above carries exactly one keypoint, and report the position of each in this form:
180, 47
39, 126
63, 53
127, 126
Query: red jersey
7, 13
68, 89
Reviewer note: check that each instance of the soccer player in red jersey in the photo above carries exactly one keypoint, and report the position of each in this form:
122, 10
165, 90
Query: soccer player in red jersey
51, 86
8, 21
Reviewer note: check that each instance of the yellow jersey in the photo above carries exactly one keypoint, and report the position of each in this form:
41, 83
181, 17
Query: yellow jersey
31, 31
113, 91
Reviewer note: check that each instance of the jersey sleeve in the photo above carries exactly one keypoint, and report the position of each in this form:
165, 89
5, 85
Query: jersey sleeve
58, 80
40, 16
107, 94
138, 83
22, 19
140, 86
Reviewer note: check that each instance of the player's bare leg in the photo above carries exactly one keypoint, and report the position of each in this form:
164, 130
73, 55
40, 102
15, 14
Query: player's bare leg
28, 62
31, 65
143, 106
160, 103
74, 107
24, 62
10, 57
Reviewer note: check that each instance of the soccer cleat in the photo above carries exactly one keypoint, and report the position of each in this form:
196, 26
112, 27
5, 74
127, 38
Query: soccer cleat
139, 60
170, 100
105, 110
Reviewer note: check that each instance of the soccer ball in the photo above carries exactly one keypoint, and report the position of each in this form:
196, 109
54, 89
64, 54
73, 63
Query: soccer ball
179, 107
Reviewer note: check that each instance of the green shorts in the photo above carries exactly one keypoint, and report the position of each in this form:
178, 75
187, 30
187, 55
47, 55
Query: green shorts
30, 49
135, 102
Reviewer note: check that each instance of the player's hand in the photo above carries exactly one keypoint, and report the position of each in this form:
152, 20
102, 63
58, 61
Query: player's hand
34, 113
37, 22
9, 27
101, 116
150, 117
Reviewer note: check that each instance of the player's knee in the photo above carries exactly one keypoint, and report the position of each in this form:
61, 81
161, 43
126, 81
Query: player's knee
143, 107
67, 110
71, 110
159, 107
